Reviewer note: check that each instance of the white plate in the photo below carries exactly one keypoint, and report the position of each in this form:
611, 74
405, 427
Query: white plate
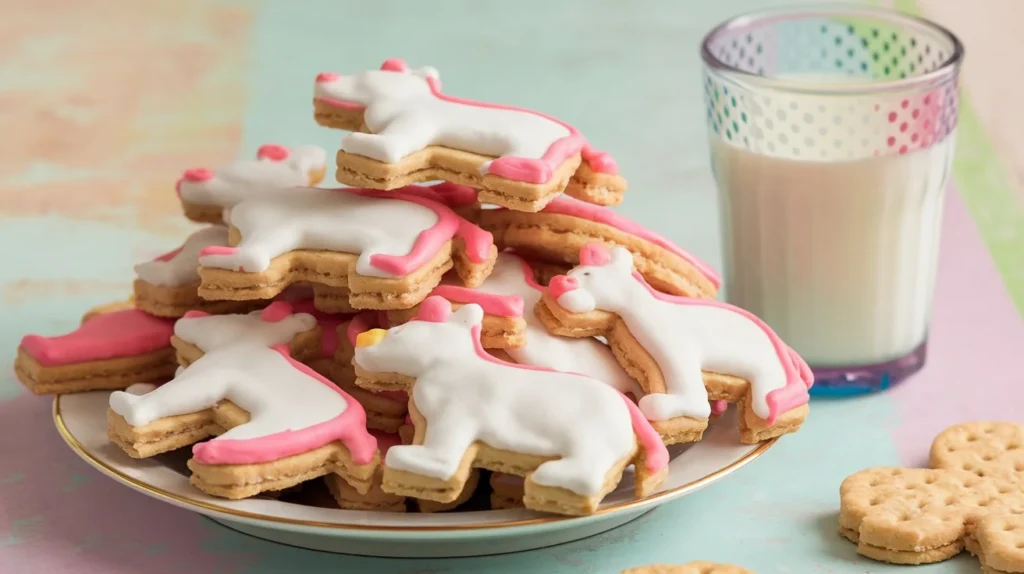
81, 421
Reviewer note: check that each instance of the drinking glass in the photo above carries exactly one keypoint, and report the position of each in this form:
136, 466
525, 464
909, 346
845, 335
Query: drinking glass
832, 133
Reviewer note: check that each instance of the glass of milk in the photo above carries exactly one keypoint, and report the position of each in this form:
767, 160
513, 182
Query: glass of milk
831, 133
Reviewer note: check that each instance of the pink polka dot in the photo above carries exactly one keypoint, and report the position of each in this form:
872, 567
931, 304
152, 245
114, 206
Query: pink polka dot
927, 124
877, 107
904, 104
891, 141
892, 117
903, 127
903, 149
915, 137
927, 99
915, 113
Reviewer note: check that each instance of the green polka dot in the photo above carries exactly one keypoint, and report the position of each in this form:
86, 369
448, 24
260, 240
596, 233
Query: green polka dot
886, 70
735, 127
726, 112
839, 40
733, 100
885, 46
743, 117
839, 63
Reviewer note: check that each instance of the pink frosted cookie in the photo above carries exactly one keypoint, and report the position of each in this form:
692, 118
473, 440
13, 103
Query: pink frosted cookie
407, 131
207, 194
359, 248
275, 422
168, 286
505, 294
683, 351
568, 435
385, 410
110, 350
558, 232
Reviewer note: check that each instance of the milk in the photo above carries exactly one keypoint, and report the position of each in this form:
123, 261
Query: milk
838, 257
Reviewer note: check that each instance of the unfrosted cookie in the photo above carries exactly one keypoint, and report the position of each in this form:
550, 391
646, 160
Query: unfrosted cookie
972, 497
471, 410
407, 131
168, 286
206, 194
109, 350
699, 567
558, 232
359, 248
683, 351
386, 411
128, 303
275, 422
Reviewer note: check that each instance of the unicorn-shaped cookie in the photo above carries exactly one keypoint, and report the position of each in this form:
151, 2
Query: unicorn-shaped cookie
411, 132
509, 295
208, 194
684, 351
360, 248
570, 436
276, 421
168, 286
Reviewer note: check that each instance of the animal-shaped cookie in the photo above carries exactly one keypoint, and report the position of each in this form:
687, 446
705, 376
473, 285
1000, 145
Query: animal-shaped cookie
359, 248
508, 290
411, 132
109, 350
557, 233
168, 286
275, 422
206, 193
570, 436
683, 351
972, 497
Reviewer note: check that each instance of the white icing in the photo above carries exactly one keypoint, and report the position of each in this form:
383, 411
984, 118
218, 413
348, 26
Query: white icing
577, 301
683, 340
183, 268
466, 398
243, 179
542, 349
406, 117
239, 365
316, 218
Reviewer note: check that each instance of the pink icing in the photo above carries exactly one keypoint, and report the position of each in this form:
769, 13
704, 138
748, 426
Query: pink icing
361, 323
169, 255
497, 305
434, 310
198, 174
529, 170
126, 333
654, 448
449, 225
218, 250
192, 314
719, 407
595, 254
349, 427
562, 284
385, 441
325, 77
565, 205
276, 311
454, 195
272, 152
799, 377
329, 324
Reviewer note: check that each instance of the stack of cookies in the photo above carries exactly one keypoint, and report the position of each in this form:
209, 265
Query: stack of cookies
466, 304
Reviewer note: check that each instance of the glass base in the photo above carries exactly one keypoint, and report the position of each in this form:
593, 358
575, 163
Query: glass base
835, 382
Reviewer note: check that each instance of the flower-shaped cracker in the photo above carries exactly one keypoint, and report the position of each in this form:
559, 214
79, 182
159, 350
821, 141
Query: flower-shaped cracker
972, 497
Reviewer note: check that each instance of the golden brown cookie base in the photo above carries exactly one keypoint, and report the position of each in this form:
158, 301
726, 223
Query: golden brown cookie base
598, 188
973, 499
336, 117
382, 413
641, 366
233, 481
174, 302
557, 238
699, 567
108, 374
337, 288
480, 455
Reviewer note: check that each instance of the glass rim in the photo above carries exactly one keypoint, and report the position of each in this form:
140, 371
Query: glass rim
949, 68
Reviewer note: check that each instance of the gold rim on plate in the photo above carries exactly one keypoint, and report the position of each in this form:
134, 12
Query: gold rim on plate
176, 498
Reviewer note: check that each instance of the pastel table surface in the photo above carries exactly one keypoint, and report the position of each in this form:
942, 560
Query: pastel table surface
102, 107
